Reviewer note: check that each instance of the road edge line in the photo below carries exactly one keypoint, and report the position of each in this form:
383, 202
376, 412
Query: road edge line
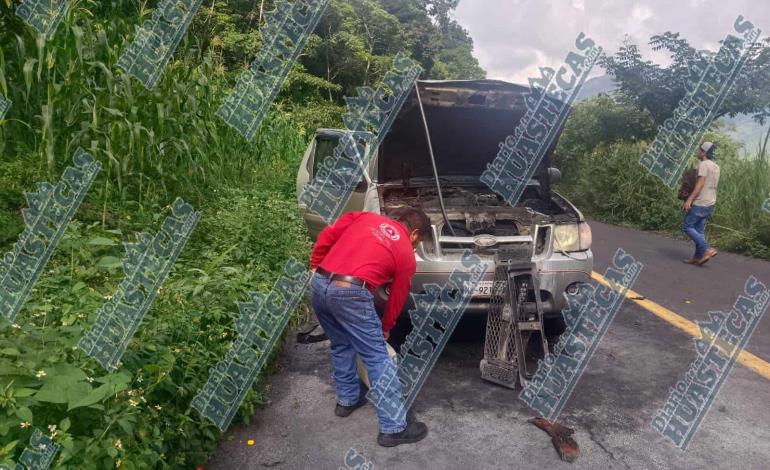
747, 359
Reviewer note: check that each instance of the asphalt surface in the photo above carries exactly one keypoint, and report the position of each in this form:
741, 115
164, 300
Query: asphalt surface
475, 424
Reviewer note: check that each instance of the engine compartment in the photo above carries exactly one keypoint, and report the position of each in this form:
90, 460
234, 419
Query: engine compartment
476, 210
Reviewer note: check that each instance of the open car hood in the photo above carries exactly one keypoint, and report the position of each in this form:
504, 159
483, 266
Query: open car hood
467, 120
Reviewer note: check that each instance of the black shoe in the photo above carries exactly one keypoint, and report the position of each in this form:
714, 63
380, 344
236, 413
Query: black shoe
345, 411
414, 432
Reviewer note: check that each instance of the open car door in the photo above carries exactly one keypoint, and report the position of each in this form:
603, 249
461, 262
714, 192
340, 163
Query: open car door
321, 148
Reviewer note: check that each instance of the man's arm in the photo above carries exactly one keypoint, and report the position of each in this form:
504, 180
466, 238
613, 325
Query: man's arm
399, 291
329, 236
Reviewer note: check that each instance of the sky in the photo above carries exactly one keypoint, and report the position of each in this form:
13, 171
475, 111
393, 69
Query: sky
512, 38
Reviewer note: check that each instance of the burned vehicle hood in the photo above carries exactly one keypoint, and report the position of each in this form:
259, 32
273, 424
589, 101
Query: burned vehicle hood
467, 120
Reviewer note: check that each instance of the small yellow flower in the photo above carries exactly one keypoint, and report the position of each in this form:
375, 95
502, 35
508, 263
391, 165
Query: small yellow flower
118, 445
90, 379
15, 326
131, 392
158, 407
25, 425
250, 442
224, 334
144, 400
118, 463
40, 374
133, 403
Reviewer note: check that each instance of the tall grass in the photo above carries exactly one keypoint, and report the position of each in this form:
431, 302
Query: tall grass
739, 222
154, 145
609, 184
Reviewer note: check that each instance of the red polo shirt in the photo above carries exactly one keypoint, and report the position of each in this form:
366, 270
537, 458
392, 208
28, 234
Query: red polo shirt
373, 248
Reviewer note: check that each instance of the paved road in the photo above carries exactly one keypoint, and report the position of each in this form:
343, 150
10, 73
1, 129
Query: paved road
474, 424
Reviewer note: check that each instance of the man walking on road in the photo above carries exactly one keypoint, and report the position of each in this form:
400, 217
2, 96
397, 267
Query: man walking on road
352, 258
700, 205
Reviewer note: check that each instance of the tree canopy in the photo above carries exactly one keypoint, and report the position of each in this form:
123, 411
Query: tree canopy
658, 89
353, 45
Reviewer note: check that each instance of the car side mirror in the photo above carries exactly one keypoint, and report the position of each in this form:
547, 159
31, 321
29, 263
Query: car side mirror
554, 175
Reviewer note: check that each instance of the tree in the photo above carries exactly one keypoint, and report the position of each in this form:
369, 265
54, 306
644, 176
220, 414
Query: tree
353, 44
658, 89
439, 10
422, 37
455, 60
600, 120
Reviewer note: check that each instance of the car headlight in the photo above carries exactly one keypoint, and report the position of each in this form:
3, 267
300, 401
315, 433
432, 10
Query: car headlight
586, 237
572, 237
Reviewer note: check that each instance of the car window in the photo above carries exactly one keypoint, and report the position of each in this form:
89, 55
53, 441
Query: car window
324, 148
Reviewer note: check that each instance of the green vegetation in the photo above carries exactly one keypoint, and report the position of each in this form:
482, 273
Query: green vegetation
156, 146
605, 136
658, 89
167, 143
599, 152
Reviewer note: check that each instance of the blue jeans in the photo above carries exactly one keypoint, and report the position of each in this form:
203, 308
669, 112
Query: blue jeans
349, 319
695, 227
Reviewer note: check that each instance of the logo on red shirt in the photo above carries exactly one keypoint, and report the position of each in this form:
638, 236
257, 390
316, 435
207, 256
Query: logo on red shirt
390, 232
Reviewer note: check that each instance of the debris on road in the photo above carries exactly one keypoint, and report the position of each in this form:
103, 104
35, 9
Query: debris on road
561, 437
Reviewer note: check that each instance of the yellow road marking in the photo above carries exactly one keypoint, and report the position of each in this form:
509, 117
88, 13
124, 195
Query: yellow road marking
760, 366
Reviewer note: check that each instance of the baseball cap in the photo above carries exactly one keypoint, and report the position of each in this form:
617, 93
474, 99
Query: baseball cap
708, 148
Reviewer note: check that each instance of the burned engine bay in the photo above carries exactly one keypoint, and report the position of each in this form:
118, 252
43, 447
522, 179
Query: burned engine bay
475, 210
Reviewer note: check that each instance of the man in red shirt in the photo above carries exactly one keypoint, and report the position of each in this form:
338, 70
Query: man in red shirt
351, 258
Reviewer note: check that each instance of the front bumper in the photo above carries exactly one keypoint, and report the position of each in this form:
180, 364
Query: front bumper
557, 273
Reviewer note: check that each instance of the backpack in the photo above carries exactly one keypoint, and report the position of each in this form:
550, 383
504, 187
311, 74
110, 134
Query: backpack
688, 183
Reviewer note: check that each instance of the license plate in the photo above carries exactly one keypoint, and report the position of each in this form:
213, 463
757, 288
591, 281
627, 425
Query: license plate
483, 289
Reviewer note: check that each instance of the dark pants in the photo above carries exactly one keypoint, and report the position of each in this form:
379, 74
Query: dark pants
350, 321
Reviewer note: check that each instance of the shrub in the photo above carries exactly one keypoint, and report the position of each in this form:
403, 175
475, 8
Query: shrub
139, 416
154, 146
609, 184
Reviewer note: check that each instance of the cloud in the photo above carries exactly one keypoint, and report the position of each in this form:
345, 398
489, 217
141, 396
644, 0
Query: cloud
513, 38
